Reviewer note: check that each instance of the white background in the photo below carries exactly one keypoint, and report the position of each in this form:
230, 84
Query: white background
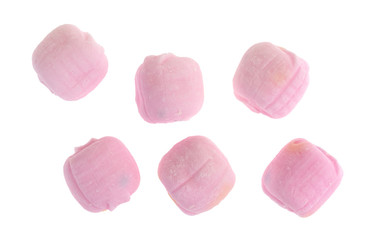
38, 131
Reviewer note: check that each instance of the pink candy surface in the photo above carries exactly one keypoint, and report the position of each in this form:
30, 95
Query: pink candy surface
301, 177
168, 88
196, 175
102, 174
270, 80
69, 62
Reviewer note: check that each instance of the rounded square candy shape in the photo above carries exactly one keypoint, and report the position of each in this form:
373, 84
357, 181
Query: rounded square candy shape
102, 174
270, 80
196, 175
168, 88
301, 177
69, 62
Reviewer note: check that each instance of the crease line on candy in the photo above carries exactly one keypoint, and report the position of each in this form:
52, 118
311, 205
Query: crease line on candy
213, 203
296, 93
191, 177
318, 203
80, 192
257, 91
139, 95
284, 89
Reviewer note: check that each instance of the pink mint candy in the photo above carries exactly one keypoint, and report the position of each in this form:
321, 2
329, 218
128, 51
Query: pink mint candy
168, 88
69, 62
270, 80
102, 174
196, 175
301, 177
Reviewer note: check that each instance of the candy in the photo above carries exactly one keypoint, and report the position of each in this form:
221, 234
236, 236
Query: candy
102, 174
270, 80
168, 88
69, 62
301, 177
196, 175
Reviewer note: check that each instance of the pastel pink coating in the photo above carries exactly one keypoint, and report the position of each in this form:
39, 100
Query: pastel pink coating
270, 80
102, 174
69, 62
196, 175
168, 88
301, 177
